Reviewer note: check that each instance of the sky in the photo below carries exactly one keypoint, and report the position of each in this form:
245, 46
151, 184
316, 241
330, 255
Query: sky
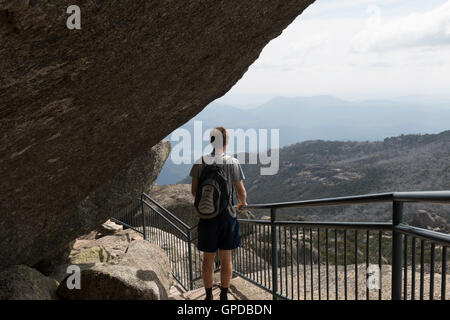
355, 50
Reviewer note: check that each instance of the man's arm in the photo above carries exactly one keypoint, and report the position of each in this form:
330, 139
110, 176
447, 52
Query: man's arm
194, 186
241, 193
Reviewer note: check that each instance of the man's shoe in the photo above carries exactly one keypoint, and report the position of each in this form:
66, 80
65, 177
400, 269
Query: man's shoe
209, 295
223, 293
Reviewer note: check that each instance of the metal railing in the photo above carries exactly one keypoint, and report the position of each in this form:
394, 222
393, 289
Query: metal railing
159, 225
316, 260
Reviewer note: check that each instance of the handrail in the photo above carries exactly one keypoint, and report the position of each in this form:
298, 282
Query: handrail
437, 237
422, 196
381, 197
278, 229
167, 220
385, 226
168, 212
397, 227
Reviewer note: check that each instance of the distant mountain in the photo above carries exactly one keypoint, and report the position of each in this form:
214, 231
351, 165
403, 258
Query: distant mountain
321, 117
322, 169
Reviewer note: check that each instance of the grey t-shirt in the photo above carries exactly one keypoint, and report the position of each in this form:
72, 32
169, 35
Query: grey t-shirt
232, 169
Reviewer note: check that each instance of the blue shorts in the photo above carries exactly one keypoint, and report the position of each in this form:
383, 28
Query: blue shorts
221, 232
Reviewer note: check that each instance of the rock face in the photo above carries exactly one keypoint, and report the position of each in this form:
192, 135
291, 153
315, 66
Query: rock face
78, 106
24, 283
116, 196
112, 199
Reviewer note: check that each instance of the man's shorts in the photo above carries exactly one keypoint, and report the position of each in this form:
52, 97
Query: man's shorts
221, 232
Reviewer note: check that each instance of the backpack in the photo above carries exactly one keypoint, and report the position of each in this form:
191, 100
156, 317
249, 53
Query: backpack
212, 197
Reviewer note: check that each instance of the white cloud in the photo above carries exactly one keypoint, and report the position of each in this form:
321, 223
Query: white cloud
293, 49
315, 55
423, 29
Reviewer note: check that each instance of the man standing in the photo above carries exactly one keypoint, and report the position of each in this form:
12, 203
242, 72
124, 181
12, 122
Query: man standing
221, 232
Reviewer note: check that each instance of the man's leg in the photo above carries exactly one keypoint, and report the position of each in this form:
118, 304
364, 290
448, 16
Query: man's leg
226, 270
208, 272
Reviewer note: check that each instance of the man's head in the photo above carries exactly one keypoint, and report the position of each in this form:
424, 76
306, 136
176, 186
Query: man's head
219, 138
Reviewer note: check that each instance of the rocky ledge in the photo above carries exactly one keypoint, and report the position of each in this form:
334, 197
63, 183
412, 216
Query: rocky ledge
113, 263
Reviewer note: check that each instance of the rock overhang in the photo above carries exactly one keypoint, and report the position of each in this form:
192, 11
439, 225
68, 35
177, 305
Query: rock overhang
78, 106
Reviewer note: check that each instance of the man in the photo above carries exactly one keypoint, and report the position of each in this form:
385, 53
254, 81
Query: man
221, 232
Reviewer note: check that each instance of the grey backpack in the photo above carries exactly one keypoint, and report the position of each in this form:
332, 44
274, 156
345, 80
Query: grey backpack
212, 197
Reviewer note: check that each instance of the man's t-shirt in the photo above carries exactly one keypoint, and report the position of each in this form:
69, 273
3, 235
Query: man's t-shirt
232, 170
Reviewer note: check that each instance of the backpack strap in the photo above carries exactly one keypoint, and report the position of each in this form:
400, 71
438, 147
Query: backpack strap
226, 158
232, 194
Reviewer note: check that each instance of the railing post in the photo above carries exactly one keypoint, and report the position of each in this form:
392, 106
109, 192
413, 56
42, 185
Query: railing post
397, 248
191, 275
144, 231
274, 253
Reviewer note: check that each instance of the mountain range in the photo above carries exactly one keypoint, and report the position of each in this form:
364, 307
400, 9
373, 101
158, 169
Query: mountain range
323, 169
320, 118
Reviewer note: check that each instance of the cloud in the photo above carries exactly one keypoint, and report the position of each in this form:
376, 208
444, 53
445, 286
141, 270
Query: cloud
291, 52
314, 55
420, 30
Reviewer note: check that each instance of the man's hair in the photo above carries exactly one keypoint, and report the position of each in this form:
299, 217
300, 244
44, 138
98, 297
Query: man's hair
219, 131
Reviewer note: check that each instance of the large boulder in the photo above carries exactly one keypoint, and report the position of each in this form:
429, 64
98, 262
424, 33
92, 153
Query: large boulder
78, 106
24, 283
117, 266
142, 273
64, 256
151, 260
86, 253
112, 282
115, 197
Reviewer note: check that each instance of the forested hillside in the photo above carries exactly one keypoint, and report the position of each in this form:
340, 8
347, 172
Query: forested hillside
320, 169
